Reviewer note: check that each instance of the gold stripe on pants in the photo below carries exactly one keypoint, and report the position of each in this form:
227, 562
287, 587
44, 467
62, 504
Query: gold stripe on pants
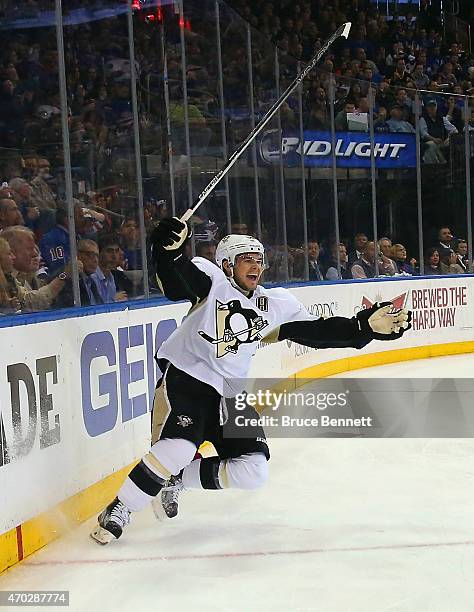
161, 410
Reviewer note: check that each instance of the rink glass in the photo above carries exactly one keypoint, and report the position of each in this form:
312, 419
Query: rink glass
143, 148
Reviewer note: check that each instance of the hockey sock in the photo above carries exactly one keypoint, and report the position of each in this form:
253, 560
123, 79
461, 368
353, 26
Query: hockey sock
203, 474
245, 472
145, 481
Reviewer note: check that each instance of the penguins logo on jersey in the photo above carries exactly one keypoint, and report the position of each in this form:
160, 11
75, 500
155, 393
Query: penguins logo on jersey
184, 420
235, 325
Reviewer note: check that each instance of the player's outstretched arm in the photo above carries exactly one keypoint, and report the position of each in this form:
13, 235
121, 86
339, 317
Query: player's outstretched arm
380, 322
177, 276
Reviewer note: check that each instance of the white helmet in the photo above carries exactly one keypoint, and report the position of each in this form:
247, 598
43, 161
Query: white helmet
234, 244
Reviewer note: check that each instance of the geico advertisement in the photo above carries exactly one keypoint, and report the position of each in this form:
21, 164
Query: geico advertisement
75, 397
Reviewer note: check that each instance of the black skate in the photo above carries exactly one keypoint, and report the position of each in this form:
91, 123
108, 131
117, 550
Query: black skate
112, 521
166, 504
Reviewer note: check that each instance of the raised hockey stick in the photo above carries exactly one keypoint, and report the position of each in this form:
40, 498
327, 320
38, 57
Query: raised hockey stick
342, 31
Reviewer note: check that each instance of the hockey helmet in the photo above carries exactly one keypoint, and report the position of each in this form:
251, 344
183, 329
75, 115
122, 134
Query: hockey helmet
235, 244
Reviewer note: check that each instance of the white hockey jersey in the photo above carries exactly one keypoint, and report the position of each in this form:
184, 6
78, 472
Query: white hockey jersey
218, 338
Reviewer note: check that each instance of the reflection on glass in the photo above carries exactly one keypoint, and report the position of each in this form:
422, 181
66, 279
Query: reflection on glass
34, 275
103, 164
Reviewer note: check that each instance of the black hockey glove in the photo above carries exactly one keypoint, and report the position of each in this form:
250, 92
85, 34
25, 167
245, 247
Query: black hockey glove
170, 235
382, 322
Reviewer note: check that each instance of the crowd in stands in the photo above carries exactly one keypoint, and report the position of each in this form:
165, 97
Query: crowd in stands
357, 258
393, 57
35, 260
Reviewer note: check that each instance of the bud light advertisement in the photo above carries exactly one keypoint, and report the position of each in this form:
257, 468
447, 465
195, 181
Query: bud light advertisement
352, 149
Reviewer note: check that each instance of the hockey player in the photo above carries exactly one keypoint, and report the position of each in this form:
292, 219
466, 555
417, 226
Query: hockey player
213, 346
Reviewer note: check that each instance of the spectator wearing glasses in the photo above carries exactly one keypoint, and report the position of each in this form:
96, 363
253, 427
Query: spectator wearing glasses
88, 260
399, 256
88, 254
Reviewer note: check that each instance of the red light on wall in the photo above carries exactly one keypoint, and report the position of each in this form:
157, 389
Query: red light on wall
135, 5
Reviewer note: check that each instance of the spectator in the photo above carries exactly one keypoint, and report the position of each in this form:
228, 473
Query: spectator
384, 95
54, 246
200, 134
109, 249
88, 259
36, 296
9, 286
461, 250
207, 250
432, 262
296, 261
240, 228
364, 266
402, 99
449, 264
298, 256
10, 214
42, 195
400, 74
21, 192
396, 123
360, 240
331, 272
435, 131
421, 79
385, 249
445, 237
399, 255
122, 281
380, 123
130, 235
88, 254
340, 120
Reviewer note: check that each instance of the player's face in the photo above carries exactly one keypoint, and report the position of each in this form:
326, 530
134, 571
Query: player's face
248, 269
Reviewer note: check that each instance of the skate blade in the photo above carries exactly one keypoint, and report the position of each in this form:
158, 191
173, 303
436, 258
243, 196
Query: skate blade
101, 535
158, 509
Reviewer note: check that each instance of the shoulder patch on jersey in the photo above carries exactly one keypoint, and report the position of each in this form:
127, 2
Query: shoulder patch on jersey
235, 325
262, 303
